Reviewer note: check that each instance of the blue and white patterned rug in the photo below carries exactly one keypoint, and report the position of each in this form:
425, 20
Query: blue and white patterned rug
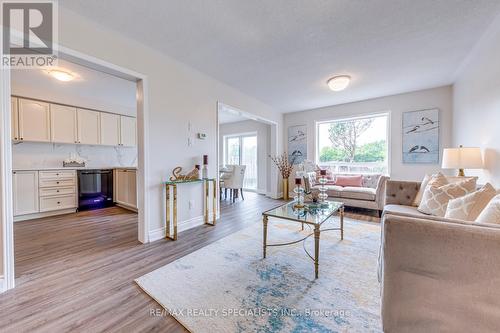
228, 287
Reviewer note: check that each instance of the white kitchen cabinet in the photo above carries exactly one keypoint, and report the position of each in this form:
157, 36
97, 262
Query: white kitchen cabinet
126, 188
88, 127
25, 192
14, 119
128, 131
110, 129
34, 120
63, 124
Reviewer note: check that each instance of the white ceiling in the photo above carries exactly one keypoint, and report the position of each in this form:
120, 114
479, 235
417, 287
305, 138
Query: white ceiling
90, 88
283, 51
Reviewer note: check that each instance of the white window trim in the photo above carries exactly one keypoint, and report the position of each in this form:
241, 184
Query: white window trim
387, 113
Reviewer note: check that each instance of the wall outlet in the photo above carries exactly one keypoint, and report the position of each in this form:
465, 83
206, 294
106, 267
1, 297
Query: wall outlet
191, 204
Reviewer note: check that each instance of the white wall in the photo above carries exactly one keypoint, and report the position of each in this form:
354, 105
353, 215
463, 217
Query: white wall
425, 99
178, 94
263, 146
476, 99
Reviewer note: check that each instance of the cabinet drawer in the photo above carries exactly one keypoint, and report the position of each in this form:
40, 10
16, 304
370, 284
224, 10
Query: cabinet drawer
57, 182
57, 174
57, 203
51, 191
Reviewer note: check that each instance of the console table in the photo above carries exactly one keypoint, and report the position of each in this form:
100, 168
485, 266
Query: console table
172, 234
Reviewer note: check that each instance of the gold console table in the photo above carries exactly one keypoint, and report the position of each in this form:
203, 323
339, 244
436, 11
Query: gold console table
172, 234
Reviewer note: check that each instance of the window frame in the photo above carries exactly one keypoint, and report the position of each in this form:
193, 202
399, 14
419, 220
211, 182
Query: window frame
240, 137
387, 113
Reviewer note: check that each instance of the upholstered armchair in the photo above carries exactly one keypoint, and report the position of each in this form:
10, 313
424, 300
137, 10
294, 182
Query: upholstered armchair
234, 181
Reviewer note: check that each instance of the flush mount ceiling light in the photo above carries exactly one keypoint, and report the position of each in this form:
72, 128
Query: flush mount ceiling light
339, 83
61, 75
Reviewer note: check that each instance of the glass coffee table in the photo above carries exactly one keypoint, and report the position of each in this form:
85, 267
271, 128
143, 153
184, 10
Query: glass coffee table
312, 214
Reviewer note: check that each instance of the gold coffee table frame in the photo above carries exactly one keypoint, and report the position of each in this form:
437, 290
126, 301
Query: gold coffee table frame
172, 224
287, 212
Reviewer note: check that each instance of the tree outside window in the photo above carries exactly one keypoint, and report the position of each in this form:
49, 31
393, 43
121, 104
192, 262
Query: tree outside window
354, 145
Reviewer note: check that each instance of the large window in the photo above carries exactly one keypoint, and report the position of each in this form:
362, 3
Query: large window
242, 150
354, 145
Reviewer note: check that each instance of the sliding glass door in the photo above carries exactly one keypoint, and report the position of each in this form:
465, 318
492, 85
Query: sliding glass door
242, 150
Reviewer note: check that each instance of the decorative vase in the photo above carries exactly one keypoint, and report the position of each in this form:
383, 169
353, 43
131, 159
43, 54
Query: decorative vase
285, 189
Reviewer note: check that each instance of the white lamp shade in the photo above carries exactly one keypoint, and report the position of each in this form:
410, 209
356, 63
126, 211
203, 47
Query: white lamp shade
462, 158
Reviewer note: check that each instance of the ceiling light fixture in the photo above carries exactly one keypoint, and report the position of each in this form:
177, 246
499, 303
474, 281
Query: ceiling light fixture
61, 75
339, 83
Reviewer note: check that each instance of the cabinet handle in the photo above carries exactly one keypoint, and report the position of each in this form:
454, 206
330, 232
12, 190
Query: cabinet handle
15, 138
57, 191
22, 138
59, 202
57, 182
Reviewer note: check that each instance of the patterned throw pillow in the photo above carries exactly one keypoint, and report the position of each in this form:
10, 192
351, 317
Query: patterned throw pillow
491, 214
435, 199
437, 179
469, 206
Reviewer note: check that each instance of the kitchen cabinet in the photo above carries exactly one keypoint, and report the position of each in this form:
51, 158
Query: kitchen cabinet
14, 119
63, 124
128, 131
88, 127
110, 129
57, 190
126, 188
25, 192
43, 193
34, 120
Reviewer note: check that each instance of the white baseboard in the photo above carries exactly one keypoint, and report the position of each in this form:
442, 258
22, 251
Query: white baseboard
43, 214
2, 284
274, 195
159, 233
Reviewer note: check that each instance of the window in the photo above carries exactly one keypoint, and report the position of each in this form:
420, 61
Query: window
354, 145
242, 150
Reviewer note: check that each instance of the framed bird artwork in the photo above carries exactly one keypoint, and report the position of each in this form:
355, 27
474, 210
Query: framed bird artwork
421, 137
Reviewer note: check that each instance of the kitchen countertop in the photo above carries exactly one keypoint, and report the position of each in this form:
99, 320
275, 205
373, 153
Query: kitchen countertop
75, 168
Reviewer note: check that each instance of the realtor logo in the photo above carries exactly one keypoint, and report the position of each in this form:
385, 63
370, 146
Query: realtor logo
29, 33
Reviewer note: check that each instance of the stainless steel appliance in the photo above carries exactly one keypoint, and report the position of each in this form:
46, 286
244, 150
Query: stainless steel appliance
95, 189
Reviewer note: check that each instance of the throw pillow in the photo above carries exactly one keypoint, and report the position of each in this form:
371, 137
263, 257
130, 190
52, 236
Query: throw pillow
437, 179
491, 214
435, 199
353, 181
469, 206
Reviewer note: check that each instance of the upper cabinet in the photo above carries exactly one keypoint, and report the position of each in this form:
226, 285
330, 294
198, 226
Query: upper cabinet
110, 129
38, 121
88, 127
63, 124
14, 119
128, 131
34, 120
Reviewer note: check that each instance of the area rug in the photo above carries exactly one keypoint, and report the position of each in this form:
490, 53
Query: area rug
228, 287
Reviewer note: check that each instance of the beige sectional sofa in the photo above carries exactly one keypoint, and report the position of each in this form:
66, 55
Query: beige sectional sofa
370, 195
437, 274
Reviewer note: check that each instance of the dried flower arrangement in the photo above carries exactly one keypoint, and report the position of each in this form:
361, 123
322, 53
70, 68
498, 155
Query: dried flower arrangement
284, 165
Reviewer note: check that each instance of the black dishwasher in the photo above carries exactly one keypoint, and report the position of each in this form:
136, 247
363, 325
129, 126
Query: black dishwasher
95, 189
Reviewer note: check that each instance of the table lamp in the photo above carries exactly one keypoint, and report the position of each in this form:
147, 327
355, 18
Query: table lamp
462, 158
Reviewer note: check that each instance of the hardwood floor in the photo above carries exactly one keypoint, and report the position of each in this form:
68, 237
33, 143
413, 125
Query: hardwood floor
75, 272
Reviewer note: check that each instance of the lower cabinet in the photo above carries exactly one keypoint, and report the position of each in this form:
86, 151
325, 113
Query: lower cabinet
25, 192
43, 193
126, 188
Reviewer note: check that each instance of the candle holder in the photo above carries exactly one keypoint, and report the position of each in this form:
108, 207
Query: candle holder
322, 196
299, 194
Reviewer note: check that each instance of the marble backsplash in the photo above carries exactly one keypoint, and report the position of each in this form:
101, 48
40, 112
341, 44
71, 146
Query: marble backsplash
51, 155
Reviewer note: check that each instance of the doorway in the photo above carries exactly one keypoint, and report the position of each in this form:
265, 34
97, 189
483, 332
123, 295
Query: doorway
6, 170
241, 149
